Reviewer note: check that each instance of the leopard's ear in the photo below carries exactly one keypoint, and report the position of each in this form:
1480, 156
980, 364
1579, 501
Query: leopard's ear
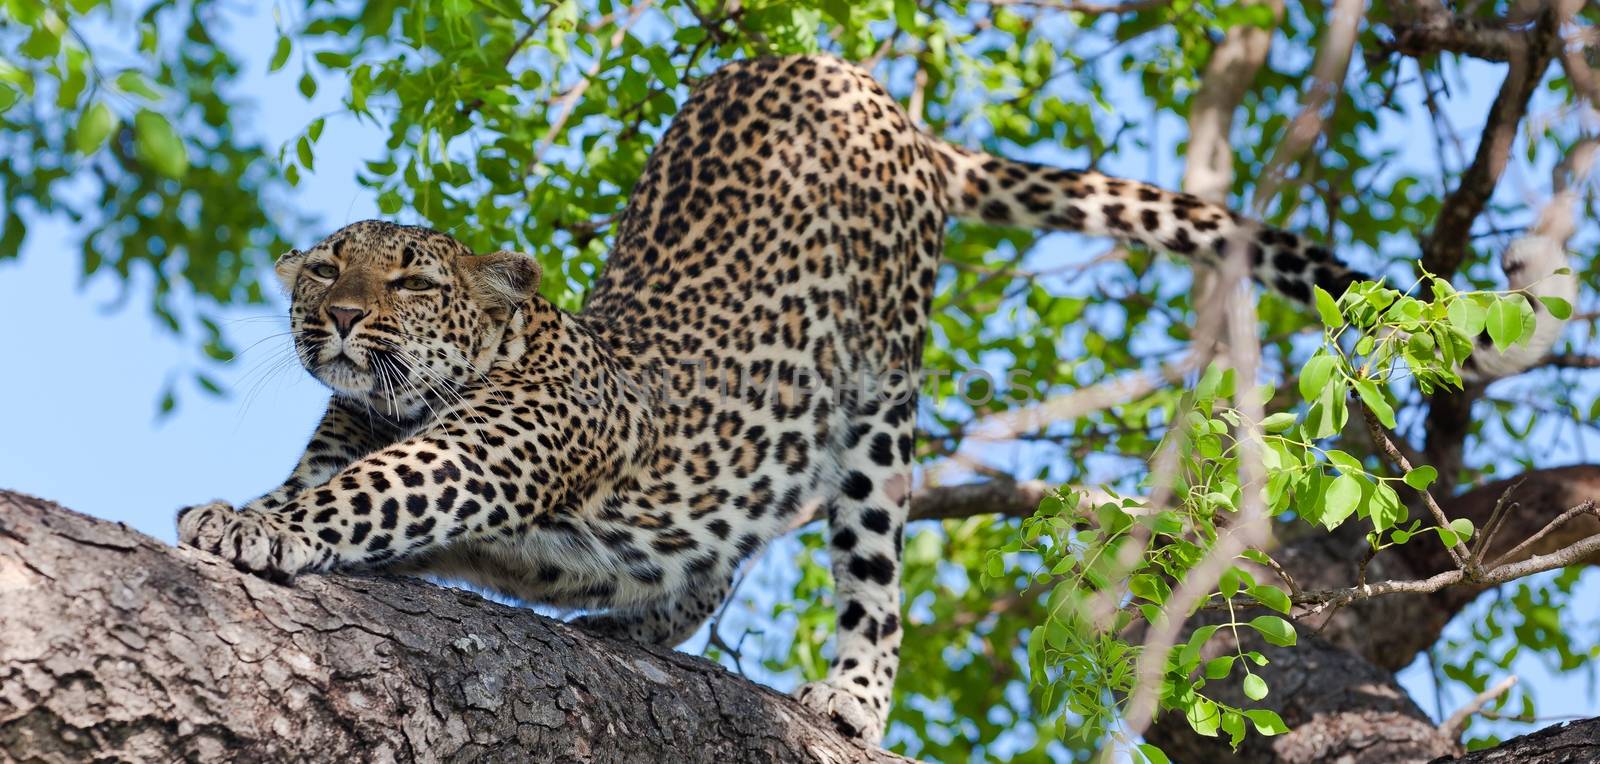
501, 281
288, 268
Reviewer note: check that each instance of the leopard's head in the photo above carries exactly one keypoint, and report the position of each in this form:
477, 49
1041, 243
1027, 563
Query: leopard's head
397, 314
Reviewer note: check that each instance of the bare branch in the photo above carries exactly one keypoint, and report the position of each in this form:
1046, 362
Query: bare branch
568, 101
1445, 246
1446, 33
1320, 601
1571, 361
1452, 726
1586, 508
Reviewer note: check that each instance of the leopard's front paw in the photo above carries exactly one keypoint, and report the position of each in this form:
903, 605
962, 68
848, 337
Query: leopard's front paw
853, 715
250, 540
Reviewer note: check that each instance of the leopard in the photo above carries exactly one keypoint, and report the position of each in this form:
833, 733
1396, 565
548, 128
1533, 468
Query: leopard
745, 361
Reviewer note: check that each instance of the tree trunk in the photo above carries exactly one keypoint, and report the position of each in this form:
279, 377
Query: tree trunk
114, 645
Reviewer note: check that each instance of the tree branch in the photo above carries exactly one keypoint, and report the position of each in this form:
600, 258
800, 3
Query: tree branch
1444, 248
115, 646
1446, 33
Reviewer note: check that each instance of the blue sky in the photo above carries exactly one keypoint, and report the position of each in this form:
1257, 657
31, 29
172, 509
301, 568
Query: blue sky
80, 417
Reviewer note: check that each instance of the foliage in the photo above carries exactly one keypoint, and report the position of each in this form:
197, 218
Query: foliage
142, 153
514, 126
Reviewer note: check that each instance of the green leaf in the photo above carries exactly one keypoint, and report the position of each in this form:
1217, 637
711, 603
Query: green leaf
1203, 717
1373, 397
1266, 722
1341, 500
1229, 584
1345, 462
1218, 668
1255, 688
132, 81
280, 54
1327, 415
1504, 323
1272, 597
1190, 654
1274, 629
1233, 724
1421, 477
93, 129
1560, 309
1327, 308
661, 66
1467, 316
1278, 422
1316, 373
1462, 528
1385, 508
1149, 587
159, 145
208, 384
1153, 754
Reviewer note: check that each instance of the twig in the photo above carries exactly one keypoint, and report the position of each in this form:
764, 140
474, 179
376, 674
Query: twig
1496, 517
1452, 727
1571, 361
1288, 580
1587, 507
1445, 246
516, 46
919, 91
569, 100
1399, 460
1319, 601
715, 630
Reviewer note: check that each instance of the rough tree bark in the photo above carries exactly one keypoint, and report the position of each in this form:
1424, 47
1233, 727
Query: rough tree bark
114, 646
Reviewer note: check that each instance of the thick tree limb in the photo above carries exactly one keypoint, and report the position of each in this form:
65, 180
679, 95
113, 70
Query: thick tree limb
1567, 743
1002, 496
1447, 33
1445, 246
113, 645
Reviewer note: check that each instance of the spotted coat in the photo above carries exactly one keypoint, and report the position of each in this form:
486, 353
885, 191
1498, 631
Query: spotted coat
745, 360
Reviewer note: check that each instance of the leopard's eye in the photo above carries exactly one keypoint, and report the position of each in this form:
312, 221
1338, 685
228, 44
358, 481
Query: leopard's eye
324, 271
416, 284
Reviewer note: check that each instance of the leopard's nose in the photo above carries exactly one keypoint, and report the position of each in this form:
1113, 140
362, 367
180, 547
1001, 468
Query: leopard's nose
345, 319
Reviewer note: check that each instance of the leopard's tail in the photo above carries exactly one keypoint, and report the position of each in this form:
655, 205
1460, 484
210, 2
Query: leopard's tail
982, 187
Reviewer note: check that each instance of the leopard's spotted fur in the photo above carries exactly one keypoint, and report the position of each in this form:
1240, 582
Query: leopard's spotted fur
790, 223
